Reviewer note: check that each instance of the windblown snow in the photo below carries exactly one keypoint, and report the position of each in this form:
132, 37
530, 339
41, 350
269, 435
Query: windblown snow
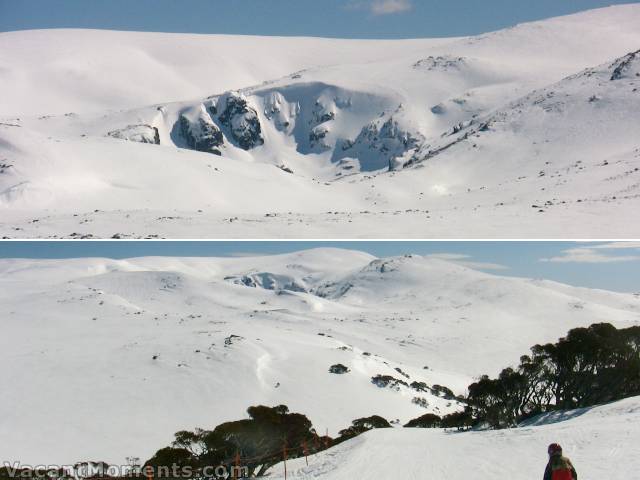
530, 131
103, 359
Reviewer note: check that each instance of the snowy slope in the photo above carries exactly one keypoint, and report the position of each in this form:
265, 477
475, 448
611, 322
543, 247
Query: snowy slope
111, 357
44, 68
527, 131
601, 442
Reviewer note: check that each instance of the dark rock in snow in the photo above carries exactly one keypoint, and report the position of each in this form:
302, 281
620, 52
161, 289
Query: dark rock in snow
624, 64
268, 281
441, 63
379, 144
241, 120
284, 168
231, 339
316, 138
200, 133
322, 113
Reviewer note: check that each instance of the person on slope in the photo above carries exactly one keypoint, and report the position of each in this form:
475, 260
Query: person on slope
559, 467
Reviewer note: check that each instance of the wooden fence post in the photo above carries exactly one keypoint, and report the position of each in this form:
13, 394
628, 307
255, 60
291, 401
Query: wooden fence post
305, 450
284, 457
236, 462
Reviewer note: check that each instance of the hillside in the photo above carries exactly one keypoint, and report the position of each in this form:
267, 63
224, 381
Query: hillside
524, 132
600, 442
137, 349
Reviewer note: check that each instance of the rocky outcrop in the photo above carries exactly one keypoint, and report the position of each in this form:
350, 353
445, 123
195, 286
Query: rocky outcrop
622, 66
142, 133
240, 119
199, 132
317, 138
441, 63
311, 115
323, 112
268, 281
379, 143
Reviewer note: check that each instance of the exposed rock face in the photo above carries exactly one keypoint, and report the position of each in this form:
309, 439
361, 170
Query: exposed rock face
199, 131
142, 133
346, 144
441, 62
391, 131
241, 120
333, 289
319, 117
385, 265
312, 116
317, 138
379, 144
323, 112
268, 281
623, 66
205, 127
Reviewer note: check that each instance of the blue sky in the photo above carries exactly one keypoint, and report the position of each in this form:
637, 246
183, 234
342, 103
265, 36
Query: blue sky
326, 18
613, 266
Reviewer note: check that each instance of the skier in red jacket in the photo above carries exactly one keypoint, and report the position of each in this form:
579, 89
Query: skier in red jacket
559, 466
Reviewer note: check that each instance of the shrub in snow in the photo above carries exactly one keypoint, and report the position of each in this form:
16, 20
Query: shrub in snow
428, 420
442, 392
419, 386
362, 425
460, 420
338, 368
421, 401
384, 381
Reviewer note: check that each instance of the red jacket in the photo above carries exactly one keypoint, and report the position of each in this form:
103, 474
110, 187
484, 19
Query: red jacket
560, 468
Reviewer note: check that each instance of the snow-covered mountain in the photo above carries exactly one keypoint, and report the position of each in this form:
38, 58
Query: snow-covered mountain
529, 131
111, 357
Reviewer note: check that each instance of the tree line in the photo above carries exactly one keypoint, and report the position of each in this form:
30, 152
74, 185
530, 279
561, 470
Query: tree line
589, 366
